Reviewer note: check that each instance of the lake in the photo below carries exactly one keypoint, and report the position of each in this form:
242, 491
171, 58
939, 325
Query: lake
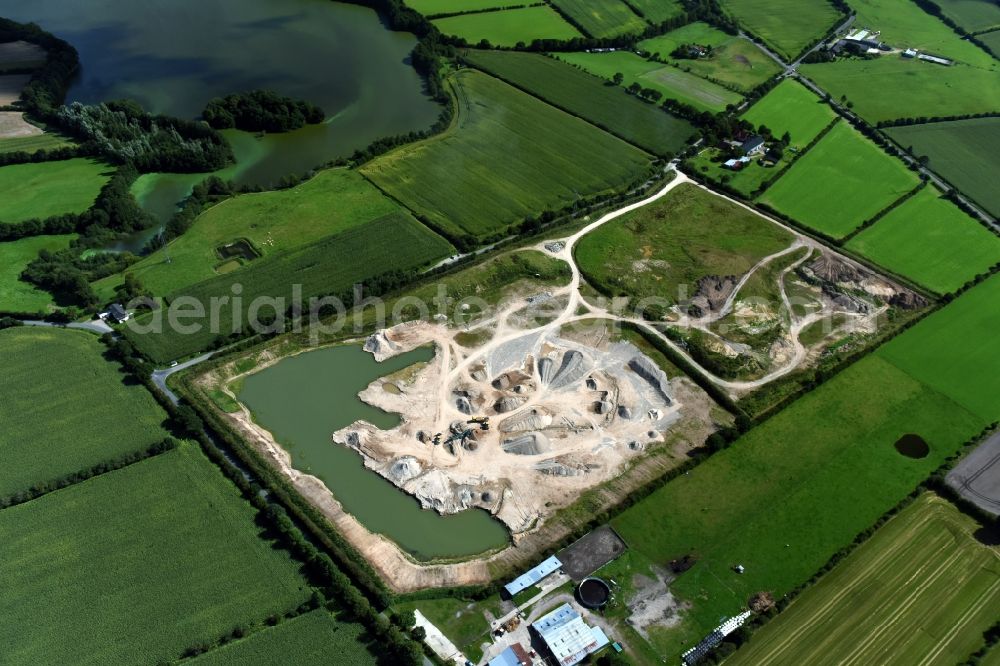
173, 56
303, 399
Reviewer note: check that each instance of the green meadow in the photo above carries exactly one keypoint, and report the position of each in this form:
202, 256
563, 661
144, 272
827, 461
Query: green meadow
602, 18
15, 294
31, 144
508, 27
435, 7
507, 156
841, 182
791, 107
657, 11
43, 189
972, 15
788, 26
930, 241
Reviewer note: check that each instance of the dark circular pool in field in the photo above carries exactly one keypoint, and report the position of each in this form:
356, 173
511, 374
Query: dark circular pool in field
593, 592
912, 446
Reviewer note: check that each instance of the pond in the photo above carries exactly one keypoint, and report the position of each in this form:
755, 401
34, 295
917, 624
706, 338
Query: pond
912, 446
173, 56
303, 399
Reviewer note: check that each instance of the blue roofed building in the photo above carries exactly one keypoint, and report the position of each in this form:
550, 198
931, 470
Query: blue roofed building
568, 637
533, 576
515, 655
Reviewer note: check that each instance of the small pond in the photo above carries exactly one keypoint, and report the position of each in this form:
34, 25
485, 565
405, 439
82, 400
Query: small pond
912, 446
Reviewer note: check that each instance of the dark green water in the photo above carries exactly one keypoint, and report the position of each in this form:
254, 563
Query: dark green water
302, 400
172, 56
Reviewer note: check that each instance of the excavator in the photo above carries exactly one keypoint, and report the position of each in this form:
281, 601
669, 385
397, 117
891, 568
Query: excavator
482, 421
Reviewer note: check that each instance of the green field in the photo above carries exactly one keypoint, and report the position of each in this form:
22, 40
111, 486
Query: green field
841, 182
30, 144
314, 638
657, 11
602, 18
589, 97
992, 40
965, 152
45, 189
435, 7
791, 107
508, 156
734, 61
891, 87
788, 26
903, 24
671, 244
65, 408
137, 565
747, 180
870, 610
931, 241
673, 82
508, 27
332, 265
801, 485
973, 15
18, 296
331, 202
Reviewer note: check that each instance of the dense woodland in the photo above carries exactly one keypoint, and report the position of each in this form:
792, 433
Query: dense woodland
261, 111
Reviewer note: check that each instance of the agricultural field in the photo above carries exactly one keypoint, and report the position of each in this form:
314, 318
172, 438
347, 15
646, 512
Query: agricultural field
332, 265
31, 143
930, 241
892, 87
748, 179
508, 27
972, 15
314, 638
841, 182
43, 189
168, 537
11, 86
581, 94
733, 62
868, 608
964, 152
333, 201
507, 156
16, 295
602, 18
59, 378
671, 81
992, 40
436, 7
775, 500
791, 107
658, 11
671, 244
788, 26
20, 55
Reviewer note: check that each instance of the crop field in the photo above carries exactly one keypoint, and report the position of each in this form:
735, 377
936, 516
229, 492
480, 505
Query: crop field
97, 567
314, 638
508, 156
435, 7
931, 241
60, 379
801, 485
965, 152
31, 144
671, 244
734, 61
20, 55
331, 202
508, 27
658, 11
672, 81
330, 266
791, 107
587, 96
903, 24
992, 40
45, 189
973, 15
891, 87
841, 182
788, 26
602, 18
921, 590
18, 296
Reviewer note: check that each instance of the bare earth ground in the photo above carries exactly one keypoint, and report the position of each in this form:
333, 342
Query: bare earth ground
10, 87
20, 55
977, 477
13, 124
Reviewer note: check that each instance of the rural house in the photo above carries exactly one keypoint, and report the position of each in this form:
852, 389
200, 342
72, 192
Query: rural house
753, 145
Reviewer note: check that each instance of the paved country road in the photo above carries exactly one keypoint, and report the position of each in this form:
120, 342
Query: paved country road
98, 327
159, 377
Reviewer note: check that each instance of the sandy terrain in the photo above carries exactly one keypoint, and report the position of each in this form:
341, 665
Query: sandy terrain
13, 124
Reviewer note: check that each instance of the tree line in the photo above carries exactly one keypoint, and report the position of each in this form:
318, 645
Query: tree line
261, 111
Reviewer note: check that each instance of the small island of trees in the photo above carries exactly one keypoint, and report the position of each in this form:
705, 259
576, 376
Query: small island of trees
261, 111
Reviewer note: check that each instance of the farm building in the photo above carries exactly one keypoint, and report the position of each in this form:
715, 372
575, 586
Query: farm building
115, 313
515, 655
532, 576
753, 145
932, 58
737, 164
714, 639
568, 637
